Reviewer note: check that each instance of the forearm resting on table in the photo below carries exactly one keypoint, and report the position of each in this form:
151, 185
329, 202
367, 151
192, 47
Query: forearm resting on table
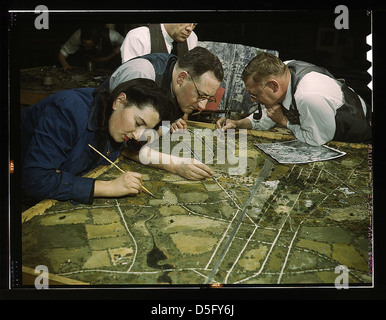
188, 168
62, 59
155, 159
243, 124
227, 124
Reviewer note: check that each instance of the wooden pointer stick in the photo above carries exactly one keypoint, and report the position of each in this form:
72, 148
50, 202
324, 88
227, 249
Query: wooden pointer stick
118, 168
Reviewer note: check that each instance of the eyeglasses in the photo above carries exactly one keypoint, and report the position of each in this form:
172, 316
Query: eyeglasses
256, 95
202, 97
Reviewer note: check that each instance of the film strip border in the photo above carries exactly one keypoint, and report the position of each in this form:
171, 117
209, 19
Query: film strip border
369, 57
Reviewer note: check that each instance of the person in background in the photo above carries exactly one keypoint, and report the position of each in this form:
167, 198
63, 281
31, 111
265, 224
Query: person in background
174, 38
304, 98
98, 44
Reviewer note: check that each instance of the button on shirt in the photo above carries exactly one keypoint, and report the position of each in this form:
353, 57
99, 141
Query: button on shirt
55, 153
317, 98
137, 42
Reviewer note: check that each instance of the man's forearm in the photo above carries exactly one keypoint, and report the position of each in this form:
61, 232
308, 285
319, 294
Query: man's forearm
186, 167
154, 158
62, 60
243, 124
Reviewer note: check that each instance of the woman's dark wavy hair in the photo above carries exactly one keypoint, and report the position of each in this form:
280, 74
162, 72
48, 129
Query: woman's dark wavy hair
140, 93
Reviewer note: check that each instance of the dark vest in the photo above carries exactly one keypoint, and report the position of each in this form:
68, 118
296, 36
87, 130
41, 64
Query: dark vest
158, 44
351, 123
103, 48
103, 44
163, 64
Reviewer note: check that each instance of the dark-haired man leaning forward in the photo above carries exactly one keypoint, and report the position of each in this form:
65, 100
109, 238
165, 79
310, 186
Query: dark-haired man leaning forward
193, 81
306, 99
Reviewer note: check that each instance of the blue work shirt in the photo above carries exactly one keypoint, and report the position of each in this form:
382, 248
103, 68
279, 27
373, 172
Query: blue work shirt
55, 152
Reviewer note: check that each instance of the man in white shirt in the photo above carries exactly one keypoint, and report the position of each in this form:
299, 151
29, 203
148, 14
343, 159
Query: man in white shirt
99, 44
306, 99
159, 38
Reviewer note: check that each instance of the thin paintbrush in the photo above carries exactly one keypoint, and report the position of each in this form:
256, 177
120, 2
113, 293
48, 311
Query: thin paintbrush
118, 168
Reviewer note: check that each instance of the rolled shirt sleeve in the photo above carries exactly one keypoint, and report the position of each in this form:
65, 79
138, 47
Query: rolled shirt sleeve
72, 45
318, 97
264, 123
317, 120
136, 43
115, 38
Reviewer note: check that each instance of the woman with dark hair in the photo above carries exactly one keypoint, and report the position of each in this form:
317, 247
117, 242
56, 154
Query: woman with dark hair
57, 130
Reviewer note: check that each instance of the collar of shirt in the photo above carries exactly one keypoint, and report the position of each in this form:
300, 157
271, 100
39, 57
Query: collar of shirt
288, 97
169, 40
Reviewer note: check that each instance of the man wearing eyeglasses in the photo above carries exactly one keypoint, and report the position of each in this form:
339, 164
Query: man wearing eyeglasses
193, 81
192, 89
306, 99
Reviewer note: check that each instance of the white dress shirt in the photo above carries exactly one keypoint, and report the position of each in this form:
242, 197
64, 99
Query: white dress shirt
137, 68
137, 42
317, 97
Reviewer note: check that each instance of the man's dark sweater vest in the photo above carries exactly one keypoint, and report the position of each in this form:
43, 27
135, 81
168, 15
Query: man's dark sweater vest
163, 64
351, 123
158, 44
